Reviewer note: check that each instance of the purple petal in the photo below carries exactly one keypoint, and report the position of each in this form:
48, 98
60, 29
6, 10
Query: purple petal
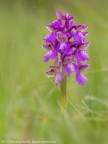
50, 38
58, 78
50, 55
69, 68
81, 55
68, 16
78, 37
64, 47
56, 24
72, 25
69, 35
81, 79
60, 15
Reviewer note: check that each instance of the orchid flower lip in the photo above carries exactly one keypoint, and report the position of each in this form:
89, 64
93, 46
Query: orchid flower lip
81, 79
66, 45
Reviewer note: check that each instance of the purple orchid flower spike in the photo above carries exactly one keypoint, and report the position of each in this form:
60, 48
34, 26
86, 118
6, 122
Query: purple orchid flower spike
66, 45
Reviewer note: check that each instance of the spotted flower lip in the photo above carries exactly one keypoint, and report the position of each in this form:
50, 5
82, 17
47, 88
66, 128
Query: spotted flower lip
66, 45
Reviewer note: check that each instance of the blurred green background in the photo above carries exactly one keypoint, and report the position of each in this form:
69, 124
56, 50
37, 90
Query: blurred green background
29, 102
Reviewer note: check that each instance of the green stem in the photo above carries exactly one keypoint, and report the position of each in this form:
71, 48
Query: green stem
63, 92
